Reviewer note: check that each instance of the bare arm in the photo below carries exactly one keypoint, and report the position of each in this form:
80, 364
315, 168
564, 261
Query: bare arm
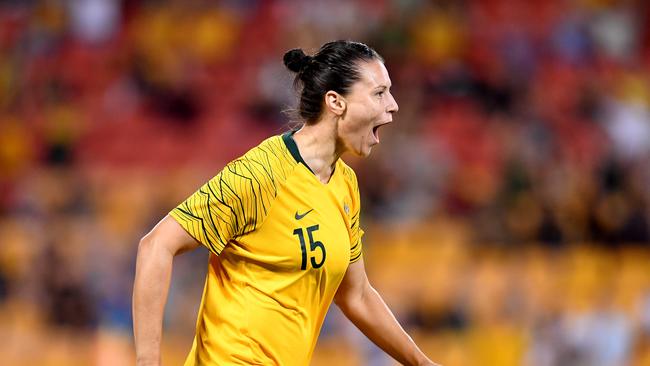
152, 277
367, 311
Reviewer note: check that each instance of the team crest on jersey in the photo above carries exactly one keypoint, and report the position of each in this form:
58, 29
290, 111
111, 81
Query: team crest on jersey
346, 208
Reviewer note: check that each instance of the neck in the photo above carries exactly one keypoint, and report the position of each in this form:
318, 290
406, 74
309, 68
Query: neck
319, 148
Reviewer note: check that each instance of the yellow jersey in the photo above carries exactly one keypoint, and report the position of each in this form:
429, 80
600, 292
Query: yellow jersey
280, 242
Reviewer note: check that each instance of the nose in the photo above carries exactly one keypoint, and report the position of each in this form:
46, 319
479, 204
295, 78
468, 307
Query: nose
392, 105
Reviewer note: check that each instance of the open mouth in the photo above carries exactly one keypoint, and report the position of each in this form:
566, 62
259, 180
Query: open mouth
375, 130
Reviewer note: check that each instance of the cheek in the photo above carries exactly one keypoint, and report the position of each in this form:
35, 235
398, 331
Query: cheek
353, 122
363, 118
359, 120
363, 127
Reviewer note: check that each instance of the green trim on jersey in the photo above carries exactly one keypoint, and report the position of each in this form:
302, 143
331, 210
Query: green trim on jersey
293, 148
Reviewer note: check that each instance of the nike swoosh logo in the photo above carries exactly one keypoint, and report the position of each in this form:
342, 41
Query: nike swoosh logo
299, 216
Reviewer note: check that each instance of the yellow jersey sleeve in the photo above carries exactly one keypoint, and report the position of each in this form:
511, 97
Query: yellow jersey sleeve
355, 228
232, 204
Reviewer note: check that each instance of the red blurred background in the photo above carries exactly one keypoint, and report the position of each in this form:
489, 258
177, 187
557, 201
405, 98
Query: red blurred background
506, 210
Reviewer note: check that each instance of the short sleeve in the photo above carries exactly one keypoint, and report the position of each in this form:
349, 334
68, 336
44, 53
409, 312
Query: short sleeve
355, 229
229, 205
356, 246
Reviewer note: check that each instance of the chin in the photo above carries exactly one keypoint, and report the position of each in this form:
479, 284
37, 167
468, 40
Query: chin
361, 150
365, 152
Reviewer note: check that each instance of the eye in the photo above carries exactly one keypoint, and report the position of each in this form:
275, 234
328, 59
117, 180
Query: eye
380, 93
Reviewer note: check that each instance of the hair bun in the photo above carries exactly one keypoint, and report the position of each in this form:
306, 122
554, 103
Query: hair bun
295, 59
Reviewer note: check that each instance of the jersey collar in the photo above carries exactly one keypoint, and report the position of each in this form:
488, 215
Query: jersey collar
293, 148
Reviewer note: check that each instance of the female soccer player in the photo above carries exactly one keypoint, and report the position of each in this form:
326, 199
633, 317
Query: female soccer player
282, 226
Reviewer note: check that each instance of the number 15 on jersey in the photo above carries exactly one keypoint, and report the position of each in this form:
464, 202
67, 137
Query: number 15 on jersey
314, 245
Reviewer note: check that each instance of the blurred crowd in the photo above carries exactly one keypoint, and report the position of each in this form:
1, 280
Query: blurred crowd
506, 210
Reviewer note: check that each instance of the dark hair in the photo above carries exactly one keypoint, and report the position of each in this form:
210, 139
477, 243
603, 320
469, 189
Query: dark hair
334, 67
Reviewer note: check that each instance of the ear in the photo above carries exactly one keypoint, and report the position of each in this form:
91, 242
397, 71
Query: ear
335, 102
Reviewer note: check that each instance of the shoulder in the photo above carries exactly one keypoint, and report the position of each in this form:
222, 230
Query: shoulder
270, 157
271, 151
262, 167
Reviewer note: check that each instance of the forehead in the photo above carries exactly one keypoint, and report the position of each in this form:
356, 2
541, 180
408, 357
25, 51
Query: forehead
373, 74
